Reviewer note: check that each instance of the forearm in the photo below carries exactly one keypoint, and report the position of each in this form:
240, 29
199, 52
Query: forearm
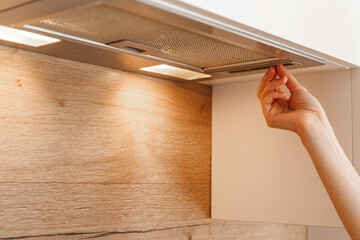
336, 172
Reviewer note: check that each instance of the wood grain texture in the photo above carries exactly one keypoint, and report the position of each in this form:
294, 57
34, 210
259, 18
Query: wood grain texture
222, 230
6, 4
327, 233
217, 230
55, 208
89, 149
64, 121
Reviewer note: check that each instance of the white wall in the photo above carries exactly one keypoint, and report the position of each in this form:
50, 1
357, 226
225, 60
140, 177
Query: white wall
329, 26
266, 175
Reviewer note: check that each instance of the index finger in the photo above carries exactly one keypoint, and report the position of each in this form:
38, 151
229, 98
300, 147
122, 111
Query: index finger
269, 75
292, 84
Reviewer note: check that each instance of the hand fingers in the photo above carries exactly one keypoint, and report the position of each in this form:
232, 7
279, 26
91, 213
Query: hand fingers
277, 107
271, 96
273, 86
268, 100
269, 75
279, 89
291, 84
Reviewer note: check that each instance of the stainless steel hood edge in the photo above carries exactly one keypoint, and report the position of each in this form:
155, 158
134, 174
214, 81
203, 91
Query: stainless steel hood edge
70, 48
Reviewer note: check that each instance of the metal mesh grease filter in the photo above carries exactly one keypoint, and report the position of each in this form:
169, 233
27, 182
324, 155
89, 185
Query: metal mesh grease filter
107, 24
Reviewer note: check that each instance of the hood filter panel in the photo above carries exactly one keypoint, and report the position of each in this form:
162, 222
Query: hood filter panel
108, 25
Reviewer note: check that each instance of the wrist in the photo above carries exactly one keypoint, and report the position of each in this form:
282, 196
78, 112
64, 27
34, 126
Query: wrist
314, 125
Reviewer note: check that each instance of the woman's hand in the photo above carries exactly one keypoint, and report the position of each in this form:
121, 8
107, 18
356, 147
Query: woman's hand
295, 113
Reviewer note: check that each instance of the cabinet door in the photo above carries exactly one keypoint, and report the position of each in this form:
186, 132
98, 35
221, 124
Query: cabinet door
329, 27
263, 174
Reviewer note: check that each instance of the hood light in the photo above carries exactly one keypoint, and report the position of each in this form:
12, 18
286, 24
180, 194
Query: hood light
24, 37
175, 72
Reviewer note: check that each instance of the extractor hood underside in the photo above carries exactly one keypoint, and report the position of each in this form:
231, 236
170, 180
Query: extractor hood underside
129, 35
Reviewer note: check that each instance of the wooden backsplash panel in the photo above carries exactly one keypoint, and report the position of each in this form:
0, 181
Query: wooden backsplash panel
216, 230
64, 121
56, 208
73, 134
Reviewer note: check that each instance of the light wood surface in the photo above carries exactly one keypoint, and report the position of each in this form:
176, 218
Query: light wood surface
85, 148
217, 230
327, 233
54, 208
63, 121
263, 174
6, 4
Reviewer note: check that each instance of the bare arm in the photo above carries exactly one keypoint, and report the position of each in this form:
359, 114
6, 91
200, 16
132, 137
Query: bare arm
303, 114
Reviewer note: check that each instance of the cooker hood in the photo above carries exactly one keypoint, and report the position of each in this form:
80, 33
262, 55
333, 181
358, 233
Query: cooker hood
139, 36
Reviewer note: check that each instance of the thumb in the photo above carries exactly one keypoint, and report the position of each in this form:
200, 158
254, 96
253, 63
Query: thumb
291, 84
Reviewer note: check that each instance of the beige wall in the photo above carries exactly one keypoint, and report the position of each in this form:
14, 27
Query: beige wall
355, 74
263, 174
